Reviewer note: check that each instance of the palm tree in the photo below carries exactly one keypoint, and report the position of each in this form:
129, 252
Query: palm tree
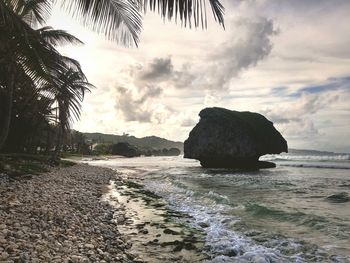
68, 89
31, 112
24, 49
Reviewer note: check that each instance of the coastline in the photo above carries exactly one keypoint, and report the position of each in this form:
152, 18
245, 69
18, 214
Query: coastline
88, 213
60, 216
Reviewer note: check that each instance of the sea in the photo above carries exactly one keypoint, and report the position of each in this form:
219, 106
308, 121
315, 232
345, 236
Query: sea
296, 212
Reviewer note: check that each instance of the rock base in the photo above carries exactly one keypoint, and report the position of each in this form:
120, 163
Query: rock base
241, 165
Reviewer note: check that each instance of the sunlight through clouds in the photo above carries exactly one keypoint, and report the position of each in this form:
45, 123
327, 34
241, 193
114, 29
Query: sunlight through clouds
267, 60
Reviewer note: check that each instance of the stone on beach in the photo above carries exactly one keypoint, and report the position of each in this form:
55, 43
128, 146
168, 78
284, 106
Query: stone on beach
225, 138
60, 217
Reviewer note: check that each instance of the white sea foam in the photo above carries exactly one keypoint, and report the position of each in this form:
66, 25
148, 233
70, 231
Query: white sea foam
292, 157
225, 244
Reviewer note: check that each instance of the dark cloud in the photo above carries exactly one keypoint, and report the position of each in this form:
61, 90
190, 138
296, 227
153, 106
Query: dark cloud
243, 51
158, 69
148, 92
135, 107
162, 71
248, 49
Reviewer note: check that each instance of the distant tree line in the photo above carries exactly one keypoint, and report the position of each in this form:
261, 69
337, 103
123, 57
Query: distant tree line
128, 150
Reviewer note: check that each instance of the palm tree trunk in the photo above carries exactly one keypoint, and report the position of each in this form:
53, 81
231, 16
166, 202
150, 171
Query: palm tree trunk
48, 139
8, 109
56, 153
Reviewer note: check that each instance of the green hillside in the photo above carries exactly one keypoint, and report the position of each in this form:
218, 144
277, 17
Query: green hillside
145, 142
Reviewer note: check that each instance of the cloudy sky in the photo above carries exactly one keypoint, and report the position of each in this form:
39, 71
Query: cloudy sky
286, 59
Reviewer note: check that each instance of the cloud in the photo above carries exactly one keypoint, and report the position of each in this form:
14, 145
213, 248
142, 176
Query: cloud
188, 122
148, 92
251, 44
137, 106
296, 118
307, 104
162, 71
158, 69
246, 47
299, 129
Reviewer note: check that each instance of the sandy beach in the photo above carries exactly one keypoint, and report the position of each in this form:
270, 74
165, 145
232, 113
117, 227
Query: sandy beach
60, 216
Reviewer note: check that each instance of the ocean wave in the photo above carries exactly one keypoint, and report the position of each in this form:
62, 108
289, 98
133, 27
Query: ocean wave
224, 244
316, 222
316, 165
339, 161
260, 210
292, 157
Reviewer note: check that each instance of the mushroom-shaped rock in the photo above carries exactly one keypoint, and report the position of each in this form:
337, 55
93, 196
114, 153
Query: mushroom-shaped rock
233, 139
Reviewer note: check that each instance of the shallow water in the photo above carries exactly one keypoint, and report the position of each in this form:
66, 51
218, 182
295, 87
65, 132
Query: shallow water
297, 212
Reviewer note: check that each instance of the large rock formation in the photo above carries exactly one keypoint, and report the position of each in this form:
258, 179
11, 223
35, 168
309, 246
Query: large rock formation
225, 138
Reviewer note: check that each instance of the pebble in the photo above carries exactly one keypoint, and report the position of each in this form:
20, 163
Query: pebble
4, 255
60, 217
90, 246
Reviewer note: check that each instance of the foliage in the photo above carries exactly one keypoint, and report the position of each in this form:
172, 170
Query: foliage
102, 149
128, 150
35, 78
125, 149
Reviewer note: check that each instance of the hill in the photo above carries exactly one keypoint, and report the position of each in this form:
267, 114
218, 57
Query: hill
145, 142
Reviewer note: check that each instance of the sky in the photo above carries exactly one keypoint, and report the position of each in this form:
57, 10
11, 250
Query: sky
286, 59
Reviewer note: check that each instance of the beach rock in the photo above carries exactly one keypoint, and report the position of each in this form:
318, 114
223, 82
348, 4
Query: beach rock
4, 255
230, 252
203, 224
342, 197
232, 139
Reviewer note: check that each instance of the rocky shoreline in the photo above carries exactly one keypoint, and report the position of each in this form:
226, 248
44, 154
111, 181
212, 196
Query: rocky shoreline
60, 217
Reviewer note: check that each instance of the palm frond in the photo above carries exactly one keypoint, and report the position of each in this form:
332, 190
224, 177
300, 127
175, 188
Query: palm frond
118, 20
57, 37
218, 11
35, 12
189, 11
9, 20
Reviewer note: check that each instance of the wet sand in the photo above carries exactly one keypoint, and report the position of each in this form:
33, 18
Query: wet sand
154, 231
